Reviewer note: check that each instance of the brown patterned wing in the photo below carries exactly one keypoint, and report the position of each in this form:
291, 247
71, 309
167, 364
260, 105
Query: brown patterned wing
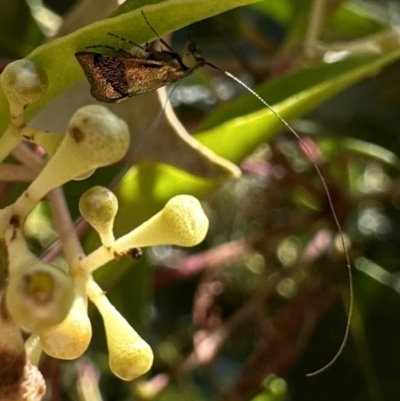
116, 78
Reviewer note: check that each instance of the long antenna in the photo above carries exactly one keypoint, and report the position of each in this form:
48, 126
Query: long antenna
331, 206
155, 33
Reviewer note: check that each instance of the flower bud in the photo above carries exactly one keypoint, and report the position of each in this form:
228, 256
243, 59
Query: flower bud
98, 206
129, 355
24, 82
182, 222
39, 296
96, 137
70, 338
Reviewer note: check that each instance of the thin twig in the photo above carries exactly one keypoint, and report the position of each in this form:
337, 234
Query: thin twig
25, 155
65, 227
16, 172
314, 27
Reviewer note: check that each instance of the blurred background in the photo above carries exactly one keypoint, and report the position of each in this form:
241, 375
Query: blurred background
265, 299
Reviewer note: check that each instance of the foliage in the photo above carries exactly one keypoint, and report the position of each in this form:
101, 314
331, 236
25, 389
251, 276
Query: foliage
264, 299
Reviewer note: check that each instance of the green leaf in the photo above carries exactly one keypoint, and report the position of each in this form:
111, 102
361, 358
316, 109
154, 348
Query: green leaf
291, 96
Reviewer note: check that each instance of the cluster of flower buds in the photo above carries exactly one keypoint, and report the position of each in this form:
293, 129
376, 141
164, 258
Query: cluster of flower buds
50, 302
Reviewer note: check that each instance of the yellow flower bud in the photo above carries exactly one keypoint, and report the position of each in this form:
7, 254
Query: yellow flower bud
182, 222
129, 355
70, 338
98, 206
96, 137
39, 297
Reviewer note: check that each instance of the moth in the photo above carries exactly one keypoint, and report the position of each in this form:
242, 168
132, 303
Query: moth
118, 77
123, 75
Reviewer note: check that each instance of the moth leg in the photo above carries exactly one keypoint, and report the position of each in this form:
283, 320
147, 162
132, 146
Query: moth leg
127, 41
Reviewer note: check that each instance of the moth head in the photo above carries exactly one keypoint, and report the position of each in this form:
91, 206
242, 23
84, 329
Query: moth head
191, 57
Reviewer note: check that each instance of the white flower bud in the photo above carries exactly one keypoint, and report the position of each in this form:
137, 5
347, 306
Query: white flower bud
98, 135
23, 82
